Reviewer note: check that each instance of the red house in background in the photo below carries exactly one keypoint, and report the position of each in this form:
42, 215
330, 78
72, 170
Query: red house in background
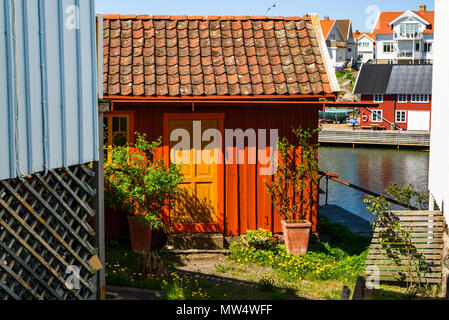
163, 74
404, 95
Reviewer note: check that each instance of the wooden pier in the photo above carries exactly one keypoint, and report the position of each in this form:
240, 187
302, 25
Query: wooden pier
353, 222
386, 138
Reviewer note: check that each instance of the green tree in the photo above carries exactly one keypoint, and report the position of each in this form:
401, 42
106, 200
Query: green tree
138, 184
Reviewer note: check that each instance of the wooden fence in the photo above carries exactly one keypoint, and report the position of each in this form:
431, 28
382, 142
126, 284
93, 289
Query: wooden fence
46, 236
391, 138
419, 261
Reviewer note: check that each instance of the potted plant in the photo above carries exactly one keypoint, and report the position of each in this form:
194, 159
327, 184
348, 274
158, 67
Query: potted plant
143, 187
294, 186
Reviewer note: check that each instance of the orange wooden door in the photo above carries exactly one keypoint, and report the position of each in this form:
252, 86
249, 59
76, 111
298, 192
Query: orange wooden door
201, 207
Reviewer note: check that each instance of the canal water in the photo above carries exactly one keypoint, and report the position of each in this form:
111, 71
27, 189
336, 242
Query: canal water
372, 169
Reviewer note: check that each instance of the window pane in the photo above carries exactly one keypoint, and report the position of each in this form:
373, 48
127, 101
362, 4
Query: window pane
115, 124
123, 124
119, 140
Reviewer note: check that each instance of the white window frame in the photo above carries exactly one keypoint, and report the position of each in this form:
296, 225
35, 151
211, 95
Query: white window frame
402, 112
389, 45
420, 98
376, 96
377, 116
427, 46
402, 96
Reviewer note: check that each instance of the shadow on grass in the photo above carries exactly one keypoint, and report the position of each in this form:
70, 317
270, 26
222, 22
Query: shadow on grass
398, 291
175, 284
339, 236
236, 289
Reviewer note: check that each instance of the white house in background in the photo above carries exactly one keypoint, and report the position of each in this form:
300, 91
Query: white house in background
335, 41
439, 146
366, 46
351, 48
405, 37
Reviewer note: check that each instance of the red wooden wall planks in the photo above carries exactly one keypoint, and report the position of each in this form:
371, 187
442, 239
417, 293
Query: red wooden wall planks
247, 205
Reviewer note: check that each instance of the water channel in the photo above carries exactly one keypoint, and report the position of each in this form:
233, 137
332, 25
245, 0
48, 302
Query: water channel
372, 169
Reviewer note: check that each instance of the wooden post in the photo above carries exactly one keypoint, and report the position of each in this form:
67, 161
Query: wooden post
359, 291
345, 293
99, 206
327, 190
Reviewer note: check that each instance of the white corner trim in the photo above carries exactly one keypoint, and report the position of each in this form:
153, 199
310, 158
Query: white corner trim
326, 57
100, 66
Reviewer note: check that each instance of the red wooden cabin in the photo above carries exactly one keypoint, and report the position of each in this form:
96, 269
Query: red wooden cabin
165, 73
403, 94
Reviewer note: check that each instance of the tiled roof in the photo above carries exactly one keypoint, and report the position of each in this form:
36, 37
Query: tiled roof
385, 18
344, 27
212, 56
357, 35
326, 26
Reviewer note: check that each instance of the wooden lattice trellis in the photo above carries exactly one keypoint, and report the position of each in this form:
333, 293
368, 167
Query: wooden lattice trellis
45, 228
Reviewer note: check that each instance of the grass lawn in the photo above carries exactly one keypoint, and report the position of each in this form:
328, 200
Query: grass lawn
230, 281
250, 274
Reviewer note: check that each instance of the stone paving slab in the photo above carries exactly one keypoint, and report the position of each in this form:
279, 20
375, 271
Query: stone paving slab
352, 221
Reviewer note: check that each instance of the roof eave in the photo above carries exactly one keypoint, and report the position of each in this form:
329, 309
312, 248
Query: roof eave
409, 11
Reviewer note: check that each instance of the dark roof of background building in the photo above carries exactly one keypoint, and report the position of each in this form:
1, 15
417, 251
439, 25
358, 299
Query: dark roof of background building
394, 79
411, 79
373, 78
212, 56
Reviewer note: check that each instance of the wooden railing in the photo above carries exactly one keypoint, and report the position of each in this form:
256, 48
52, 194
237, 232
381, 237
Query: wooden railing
393, 138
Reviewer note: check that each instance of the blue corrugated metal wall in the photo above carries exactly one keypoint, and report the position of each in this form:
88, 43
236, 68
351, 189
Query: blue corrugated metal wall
48, 105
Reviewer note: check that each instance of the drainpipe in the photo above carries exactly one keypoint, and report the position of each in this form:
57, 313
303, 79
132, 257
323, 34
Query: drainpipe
62, 85
80, 94
10, 89
44, 89
395, 107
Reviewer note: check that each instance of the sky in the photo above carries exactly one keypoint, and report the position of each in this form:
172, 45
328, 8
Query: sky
362, 12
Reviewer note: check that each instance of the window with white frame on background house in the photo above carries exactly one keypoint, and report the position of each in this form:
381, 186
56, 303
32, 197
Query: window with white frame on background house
428, 47
402, 98
388, 47
401, 116
420, 98
409, 30
376, 116
379, 98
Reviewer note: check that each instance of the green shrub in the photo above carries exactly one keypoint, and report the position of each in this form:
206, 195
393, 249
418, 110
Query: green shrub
259, 239
326, 263
140, 185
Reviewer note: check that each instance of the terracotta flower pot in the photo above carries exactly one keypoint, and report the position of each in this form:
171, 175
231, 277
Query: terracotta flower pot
140, 236
296, 236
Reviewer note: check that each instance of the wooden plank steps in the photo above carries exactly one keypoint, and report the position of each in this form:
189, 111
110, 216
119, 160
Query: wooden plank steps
390, 259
